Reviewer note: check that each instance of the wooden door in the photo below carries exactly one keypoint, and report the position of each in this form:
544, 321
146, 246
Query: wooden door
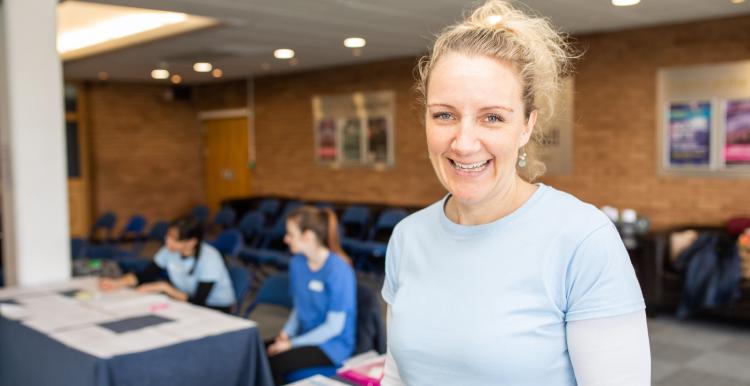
226, 162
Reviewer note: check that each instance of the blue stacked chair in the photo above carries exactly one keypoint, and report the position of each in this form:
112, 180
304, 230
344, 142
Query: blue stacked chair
275, 291
228, 243
354, 222
373, 250
241, 281
225, 218
269, 207
158, 231
133, 229
106, 223
201, 212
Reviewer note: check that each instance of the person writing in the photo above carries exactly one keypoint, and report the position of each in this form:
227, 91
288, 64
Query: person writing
197, 272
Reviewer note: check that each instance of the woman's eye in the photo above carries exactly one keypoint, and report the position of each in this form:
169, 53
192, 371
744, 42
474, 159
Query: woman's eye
494, 118
443, 115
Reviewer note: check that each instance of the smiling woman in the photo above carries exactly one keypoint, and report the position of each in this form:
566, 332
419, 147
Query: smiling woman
505, 281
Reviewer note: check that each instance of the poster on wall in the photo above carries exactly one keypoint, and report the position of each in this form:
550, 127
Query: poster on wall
354, 129
737, 132
350, 139
377, 139
326, 139
690, 133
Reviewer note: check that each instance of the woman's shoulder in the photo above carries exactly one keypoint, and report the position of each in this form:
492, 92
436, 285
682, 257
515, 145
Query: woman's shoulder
209, 253
564, 208
419, 219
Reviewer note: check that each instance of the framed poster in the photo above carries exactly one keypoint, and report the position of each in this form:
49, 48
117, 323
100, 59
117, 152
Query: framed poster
690, 133
737, 132
354, 129
326, 139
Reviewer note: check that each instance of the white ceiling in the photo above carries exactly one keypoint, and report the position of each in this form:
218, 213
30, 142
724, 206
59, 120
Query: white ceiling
251, 29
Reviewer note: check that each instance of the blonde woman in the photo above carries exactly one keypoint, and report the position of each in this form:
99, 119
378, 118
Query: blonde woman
504, 281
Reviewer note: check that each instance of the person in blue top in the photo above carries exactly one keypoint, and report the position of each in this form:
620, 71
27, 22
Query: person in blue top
197, 272
321, 328
505, 281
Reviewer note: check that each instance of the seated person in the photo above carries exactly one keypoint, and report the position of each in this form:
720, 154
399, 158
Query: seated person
197, 271
321, 327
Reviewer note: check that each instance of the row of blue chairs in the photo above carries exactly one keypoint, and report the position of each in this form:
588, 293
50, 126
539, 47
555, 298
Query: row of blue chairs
263, 244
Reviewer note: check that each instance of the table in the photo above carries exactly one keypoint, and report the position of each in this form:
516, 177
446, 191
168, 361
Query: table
71, 334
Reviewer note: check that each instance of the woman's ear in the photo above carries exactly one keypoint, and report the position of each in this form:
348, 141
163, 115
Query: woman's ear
528, 129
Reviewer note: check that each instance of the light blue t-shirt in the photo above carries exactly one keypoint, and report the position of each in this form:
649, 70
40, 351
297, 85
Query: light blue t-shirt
487, 304
332, 288
211, 268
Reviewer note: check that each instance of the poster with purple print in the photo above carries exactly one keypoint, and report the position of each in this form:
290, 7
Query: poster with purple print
737, 132
689, 133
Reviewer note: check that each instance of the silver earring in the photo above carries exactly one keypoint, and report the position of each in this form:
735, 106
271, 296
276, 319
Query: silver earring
522, 159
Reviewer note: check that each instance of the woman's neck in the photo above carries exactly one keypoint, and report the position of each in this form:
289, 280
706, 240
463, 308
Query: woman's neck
317, 257
499, 206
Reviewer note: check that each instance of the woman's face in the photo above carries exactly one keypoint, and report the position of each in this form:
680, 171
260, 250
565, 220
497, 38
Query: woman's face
299, 242
174, 244
475, 125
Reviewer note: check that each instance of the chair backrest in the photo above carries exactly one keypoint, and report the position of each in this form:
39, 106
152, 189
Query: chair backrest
354, 221
158, 231
201, 212
269, 207
241, 280
274, 290
134, 227
273, 238
228, 243
251, 226
370, 326
105, 222
385, 224
225, 217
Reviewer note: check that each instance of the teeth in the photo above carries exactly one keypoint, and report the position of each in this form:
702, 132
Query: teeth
475, 165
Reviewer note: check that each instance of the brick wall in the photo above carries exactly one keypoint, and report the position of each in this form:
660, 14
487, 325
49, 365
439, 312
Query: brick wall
615, 157
614, 141
285, 146
146, 151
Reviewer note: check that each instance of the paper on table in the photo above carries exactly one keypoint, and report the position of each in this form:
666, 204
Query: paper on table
198, 327
13, 311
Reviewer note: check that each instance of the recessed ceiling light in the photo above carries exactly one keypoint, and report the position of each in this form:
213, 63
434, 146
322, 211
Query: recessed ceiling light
202, 67
217, 73
737, 1
625, 3
354, 42
176, 79
159, 73
283, 53
102, 75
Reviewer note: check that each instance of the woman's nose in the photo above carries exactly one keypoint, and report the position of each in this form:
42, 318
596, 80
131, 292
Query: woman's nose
466, 140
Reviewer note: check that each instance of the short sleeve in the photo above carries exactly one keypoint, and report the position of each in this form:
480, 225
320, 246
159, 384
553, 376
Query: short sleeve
390, 285
600, 280
210, 267
342, 288
162, 258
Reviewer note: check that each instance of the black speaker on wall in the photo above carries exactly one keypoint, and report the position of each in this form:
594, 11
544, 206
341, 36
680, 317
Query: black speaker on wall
182, 93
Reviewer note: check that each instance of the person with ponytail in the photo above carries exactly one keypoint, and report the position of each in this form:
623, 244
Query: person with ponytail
505, 280
196, 270
321, 328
